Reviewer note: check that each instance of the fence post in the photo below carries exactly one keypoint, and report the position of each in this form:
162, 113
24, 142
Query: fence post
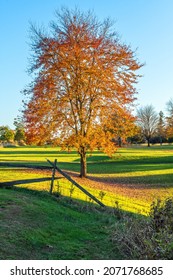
76, 184
53, 176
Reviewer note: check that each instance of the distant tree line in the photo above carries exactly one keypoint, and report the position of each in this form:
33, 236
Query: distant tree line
147, 126
154, 127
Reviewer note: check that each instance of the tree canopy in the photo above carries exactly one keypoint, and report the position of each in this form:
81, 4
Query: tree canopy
83, 76
6, 134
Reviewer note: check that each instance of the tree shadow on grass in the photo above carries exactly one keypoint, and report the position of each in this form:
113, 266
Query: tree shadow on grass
147, 182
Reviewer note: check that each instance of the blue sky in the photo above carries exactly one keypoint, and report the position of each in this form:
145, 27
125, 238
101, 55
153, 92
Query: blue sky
146, 25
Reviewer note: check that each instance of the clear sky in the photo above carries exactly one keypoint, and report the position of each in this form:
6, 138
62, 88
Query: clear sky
146, 25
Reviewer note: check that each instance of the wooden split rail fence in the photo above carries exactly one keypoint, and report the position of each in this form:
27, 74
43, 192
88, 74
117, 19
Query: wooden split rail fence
52, 179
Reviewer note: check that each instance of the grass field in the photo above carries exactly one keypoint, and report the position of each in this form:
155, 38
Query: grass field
37, 226
133, 177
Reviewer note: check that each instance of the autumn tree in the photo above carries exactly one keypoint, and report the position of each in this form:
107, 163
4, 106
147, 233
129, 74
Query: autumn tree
83, 75
123, 126
161, 127
147, 119
169, 119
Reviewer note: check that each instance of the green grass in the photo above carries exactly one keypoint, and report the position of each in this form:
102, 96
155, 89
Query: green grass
142, 173
36, 226
125, 160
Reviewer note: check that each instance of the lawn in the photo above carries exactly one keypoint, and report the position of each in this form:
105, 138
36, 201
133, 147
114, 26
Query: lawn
38, 226
131, 179
35, 225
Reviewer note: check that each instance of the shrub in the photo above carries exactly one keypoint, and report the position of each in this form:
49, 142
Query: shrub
147, 238
162, 215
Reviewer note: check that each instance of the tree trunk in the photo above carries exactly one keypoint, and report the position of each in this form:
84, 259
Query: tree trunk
148, 142
119, 142
161, 141
83, 164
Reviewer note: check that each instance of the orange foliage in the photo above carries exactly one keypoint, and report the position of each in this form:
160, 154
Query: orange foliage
84, 85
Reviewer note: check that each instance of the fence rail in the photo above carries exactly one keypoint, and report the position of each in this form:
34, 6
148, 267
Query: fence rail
32, 166
27, 181
54, 168
75, 183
